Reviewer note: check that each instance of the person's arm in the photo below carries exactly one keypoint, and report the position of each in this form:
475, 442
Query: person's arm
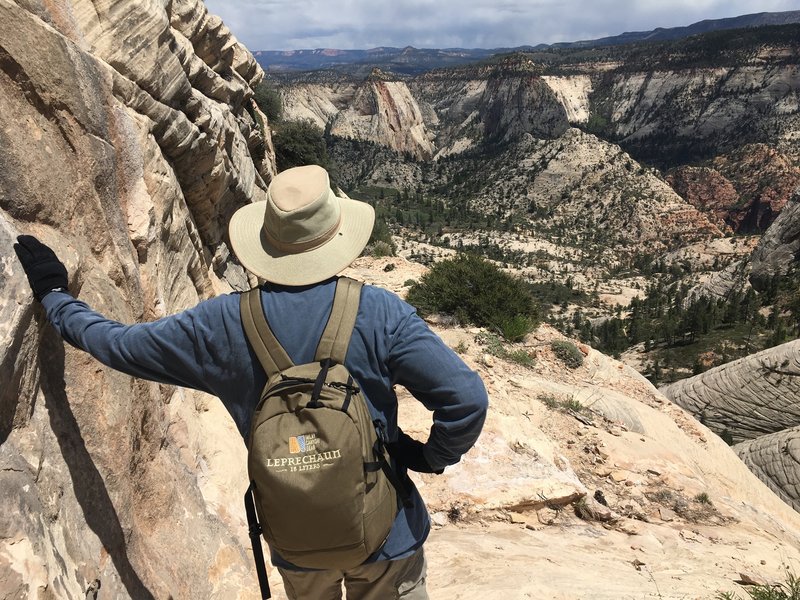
168, 350
421, 362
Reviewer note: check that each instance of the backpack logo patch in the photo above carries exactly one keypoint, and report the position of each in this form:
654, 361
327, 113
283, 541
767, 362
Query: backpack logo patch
299, 444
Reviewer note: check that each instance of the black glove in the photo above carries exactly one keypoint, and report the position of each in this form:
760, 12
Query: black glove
45, 272
408, 453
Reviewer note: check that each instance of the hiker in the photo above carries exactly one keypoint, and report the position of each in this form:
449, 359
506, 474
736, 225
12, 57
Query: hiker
298, 240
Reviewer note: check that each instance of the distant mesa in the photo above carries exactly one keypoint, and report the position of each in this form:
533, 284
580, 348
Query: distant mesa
416, 61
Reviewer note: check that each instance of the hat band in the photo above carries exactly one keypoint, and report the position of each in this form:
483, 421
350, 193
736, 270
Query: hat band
299, 247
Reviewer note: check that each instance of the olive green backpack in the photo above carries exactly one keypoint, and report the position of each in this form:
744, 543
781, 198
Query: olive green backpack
322, 491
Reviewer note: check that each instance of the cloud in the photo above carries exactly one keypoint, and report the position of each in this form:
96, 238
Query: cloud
347, 24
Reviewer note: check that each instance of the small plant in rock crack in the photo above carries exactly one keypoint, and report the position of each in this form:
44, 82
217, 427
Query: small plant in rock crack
461, 347
573, 405
550, 401
703, 498
565, 404
495, 346
455, 514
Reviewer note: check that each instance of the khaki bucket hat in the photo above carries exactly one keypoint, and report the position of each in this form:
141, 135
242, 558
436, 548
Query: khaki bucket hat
303, 233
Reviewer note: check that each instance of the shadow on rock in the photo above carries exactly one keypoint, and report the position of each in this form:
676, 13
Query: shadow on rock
89, 487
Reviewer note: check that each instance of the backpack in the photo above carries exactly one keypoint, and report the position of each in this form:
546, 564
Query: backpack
322, 491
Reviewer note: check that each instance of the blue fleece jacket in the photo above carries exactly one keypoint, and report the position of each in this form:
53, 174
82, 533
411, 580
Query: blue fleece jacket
205, 348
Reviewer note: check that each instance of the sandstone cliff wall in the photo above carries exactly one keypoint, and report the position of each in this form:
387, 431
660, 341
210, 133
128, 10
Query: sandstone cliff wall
679, 115
573, 92
432, 116
779, 249
377, 111
126, 143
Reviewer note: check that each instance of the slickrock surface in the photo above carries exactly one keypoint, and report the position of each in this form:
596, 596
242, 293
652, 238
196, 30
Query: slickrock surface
755, 401
721, 283
746, 398
684, 515
775, 458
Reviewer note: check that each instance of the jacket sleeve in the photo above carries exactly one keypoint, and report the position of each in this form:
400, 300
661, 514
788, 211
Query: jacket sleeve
167, 351
420, 361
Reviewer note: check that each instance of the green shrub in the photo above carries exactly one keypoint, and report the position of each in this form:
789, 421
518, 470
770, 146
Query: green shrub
493, 343
568, 353
573, 405
521, 357
476, 291
517, 327
269, 101
300, 143
380, 241
378, 249
494, 346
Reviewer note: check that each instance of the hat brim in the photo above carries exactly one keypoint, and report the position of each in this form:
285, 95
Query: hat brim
260, 257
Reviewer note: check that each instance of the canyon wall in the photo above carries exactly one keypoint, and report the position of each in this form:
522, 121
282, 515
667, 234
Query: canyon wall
127, 141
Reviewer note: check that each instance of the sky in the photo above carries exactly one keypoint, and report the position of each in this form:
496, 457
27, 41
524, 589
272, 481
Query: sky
363, 24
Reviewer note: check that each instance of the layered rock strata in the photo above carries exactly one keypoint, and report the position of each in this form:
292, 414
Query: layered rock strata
127, 142
775, 459
745, 190
439, 115
676, 116
746, 398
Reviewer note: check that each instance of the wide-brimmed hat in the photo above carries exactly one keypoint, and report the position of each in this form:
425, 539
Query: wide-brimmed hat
303, 233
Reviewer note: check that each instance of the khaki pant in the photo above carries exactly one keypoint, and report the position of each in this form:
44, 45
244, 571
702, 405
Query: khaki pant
386, 580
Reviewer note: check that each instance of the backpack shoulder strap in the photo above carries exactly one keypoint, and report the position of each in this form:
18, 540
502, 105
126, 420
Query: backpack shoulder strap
336, 337
270, 353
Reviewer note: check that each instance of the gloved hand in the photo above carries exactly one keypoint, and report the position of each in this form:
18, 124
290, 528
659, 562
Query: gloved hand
408, 453
45, 272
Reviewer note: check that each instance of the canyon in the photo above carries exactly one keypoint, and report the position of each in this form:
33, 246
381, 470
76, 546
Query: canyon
130, 136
